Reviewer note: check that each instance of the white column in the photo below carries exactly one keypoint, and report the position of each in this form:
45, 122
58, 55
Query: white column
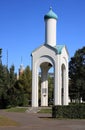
66, 100
34, 86
57, 85
50, 32
44, 93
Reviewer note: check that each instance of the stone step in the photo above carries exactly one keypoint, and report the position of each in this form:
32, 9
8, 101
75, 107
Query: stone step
33, 110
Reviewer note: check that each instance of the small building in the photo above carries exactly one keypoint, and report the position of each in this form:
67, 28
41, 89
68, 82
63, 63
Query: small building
46, 56
21, 69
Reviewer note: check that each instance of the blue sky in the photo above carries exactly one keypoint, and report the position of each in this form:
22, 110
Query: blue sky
22, 27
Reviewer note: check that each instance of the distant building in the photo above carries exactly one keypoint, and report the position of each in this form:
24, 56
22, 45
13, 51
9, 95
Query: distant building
21, 70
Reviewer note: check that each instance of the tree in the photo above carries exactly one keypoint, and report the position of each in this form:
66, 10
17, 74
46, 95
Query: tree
3, 86
12, 77
26, 77
23, 87
50, 90
14, 92
77, 75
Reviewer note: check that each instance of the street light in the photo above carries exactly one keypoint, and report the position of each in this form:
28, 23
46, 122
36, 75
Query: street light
0, 55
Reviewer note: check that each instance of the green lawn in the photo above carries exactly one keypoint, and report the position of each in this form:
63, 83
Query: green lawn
16, 109
23, 109
45, 110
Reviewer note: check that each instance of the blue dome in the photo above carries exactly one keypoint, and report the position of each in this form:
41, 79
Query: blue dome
50, 14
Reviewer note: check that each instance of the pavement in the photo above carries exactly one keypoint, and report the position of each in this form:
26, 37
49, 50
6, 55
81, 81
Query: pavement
36, 121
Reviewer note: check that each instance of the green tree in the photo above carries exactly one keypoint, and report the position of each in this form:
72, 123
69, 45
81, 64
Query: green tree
3, 83
12, 77
3, 86
50, 90
77, 75
28, 86
23, 88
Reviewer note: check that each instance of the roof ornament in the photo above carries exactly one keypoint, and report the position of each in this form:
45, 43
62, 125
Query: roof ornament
50, 14
50, 7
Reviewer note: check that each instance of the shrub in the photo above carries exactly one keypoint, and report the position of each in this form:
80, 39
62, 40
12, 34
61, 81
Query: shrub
76, 111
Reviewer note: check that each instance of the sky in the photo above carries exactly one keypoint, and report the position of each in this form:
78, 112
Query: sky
22, 27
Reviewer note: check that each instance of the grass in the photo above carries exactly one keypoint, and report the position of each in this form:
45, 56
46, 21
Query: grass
45, 110
16, 109
23, 109
4, 121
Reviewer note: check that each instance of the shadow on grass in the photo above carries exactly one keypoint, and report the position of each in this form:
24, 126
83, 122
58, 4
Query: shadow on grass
5, 121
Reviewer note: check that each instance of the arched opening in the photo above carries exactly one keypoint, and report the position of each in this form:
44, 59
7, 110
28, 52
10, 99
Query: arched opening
45, 84
40, 92
63, 74
40, 87
45, 66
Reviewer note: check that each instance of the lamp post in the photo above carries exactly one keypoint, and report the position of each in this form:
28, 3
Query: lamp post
0, 55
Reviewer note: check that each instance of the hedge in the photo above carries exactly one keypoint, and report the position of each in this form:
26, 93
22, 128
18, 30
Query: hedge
76, 111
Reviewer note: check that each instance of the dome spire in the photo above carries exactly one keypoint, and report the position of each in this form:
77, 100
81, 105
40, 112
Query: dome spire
50, 14
50, 28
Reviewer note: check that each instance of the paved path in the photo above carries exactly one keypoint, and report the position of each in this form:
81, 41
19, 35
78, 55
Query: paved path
30, 121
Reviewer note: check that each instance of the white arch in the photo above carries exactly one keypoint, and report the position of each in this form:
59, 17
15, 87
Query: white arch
64, 61
43, 63
64, 87
57, 62
43, 59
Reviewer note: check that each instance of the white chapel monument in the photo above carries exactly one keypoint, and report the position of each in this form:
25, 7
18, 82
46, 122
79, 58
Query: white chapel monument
46, 56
